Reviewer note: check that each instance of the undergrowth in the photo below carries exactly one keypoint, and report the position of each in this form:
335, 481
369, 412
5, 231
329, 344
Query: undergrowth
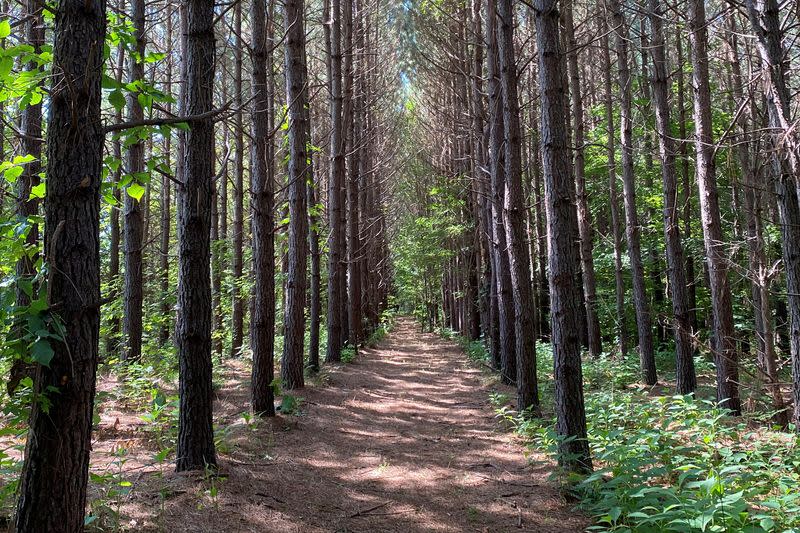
667, 463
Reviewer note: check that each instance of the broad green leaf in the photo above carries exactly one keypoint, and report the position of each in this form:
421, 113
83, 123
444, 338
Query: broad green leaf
135, 191
42, 352
117, 99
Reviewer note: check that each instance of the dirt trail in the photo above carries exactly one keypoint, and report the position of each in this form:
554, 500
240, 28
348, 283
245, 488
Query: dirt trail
403, 439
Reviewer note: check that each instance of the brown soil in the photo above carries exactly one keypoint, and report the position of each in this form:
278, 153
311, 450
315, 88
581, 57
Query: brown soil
403, 439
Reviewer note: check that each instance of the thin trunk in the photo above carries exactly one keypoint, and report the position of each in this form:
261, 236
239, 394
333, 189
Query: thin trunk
584, 216
298, 137
682, 328
724, 345
644, 323
237, 298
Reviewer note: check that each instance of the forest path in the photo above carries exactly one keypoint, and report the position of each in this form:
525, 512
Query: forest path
403, 439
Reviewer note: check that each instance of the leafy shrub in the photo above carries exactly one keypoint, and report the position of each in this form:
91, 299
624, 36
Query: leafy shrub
680, 464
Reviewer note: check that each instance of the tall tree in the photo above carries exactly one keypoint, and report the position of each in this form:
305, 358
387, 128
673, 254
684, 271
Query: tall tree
52, 493
336, 201
724, 345
644, 324
262, 206
682, 328
765, 20
584, 216
562, 229
505, 297
133, 228
237, 299
514, 217
299, 146
195, 449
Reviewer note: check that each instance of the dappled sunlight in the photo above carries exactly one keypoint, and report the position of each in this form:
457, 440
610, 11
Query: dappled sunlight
395, 441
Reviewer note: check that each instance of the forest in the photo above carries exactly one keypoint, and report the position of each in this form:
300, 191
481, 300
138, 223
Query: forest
425, 265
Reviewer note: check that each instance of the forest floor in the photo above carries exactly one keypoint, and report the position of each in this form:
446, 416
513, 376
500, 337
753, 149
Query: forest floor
402, 439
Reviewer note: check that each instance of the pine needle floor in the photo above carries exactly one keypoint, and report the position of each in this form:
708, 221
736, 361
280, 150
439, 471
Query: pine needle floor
403, 439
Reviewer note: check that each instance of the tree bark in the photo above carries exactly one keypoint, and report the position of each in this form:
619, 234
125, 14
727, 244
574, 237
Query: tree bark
195, 449
682, 328
724, 345
505, 302
133, 229
644, 323
262, 207
237, 299
584, 216
336, 265
562, 229
514, 218
52, 493
298, 136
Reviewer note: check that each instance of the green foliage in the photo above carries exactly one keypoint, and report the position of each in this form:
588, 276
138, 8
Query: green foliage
674, 463
349, 353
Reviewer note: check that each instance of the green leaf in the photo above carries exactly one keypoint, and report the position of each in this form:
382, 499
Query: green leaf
117, 99
6, 63
5, 29
42, 352
135, 191
38, 191
12, 174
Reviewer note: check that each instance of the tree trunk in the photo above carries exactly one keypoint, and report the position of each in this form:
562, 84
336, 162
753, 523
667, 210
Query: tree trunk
505, 302
262, 207
195, 449
786, 148
237, 299
298, 136
52, 493
725, 354
584, 216
682, 328
133, 229
336, 266
616, 223
514, 218
562, 229
642, 305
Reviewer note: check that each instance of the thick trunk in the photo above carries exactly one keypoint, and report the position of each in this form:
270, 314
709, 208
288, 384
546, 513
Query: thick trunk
52, 492
562, 229
195, 449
